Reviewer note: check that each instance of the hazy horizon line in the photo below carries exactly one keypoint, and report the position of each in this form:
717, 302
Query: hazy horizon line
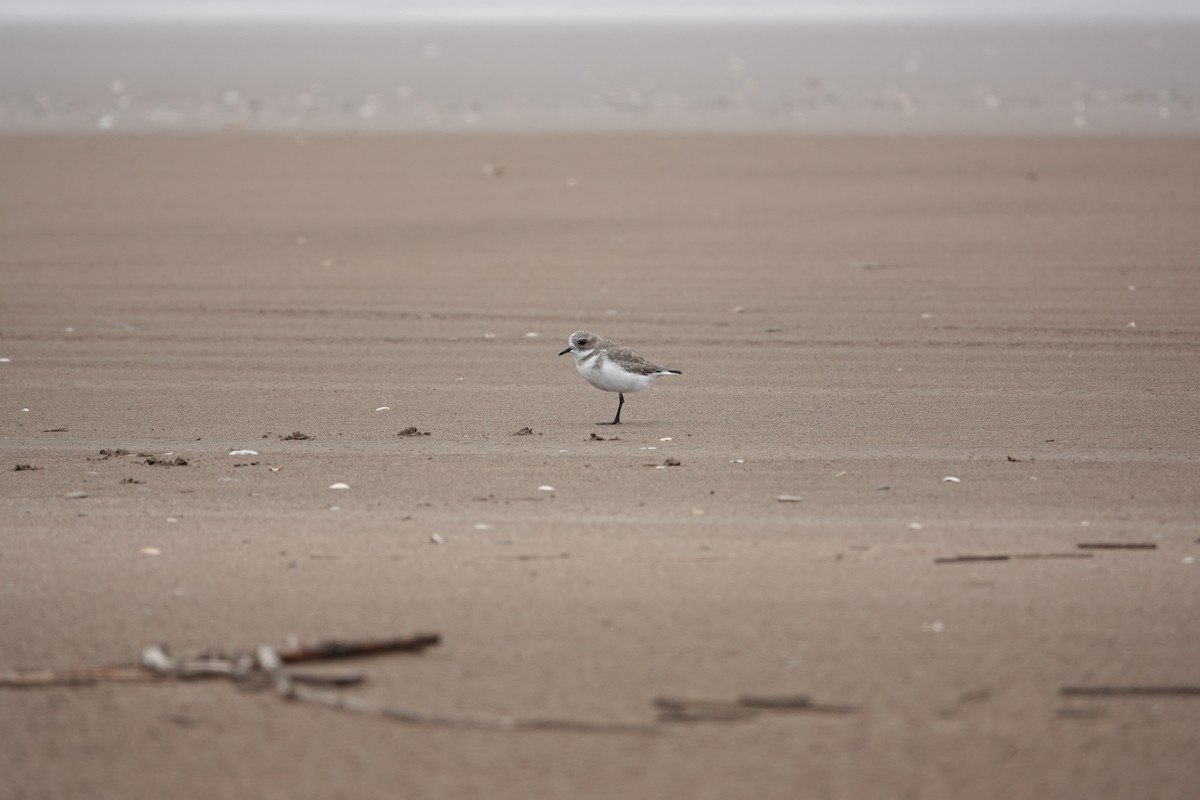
376, 15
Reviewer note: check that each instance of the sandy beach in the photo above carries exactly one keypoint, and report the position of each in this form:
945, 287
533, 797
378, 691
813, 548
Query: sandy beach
857, 319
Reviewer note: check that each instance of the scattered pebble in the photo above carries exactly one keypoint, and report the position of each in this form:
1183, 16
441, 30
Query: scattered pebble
883, 487
737, 461
437, 538
295, 436
150, 551
545, 488
526, 431
790, 498
672, 462
339, 486
172, 519
531, 335
77, 495
666, 439
950, 479
24, 410
482, 526
5, 360
489, 336
915, 526
383, 408
243, 452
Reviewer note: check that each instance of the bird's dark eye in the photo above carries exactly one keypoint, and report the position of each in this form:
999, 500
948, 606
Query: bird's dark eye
580, 342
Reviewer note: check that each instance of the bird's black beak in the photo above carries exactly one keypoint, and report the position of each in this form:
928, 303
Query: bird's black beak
564, 352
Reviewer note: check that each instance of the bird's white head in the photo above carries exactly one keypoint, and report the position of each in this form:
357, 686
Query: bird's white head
580, 344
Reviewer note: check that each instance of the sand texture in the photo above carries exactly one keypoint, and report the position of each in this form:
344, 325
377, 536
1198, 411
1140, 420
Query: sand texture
856, 319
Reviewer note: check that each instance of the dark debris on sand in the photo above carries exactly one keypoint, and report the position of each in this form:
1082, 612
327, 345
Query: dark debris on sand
411, 430
155, 461
115, 452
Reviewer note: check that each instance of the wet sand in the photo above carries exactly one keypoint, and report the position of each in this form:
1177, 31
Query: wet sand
856, 320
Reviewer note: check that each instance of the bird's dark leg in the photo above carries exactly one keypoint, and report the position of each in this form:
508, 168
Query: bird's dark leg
617, 418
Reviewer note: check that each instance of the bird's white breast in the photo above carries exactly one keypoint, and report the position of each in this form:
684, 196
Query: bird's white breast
604, 374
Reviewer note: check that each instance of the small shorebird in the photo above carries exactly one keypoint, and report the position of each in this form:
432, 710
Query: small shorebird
611, 367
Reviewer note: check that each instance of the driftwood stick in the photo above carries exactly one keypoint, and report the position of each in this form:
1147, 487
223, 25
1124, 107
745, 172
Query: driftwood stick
1130, 691
967, 559
86, 676
674, 709
356, 648
1031, 556
1117, 546
156, 664
354, 705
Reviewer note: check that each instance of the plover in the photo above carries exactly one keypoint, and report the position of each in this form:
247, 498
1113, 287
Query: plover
612, 368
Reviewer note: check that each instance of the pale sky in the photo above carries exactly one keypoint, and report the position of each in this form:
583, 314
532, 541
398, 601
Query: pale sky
517, 10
